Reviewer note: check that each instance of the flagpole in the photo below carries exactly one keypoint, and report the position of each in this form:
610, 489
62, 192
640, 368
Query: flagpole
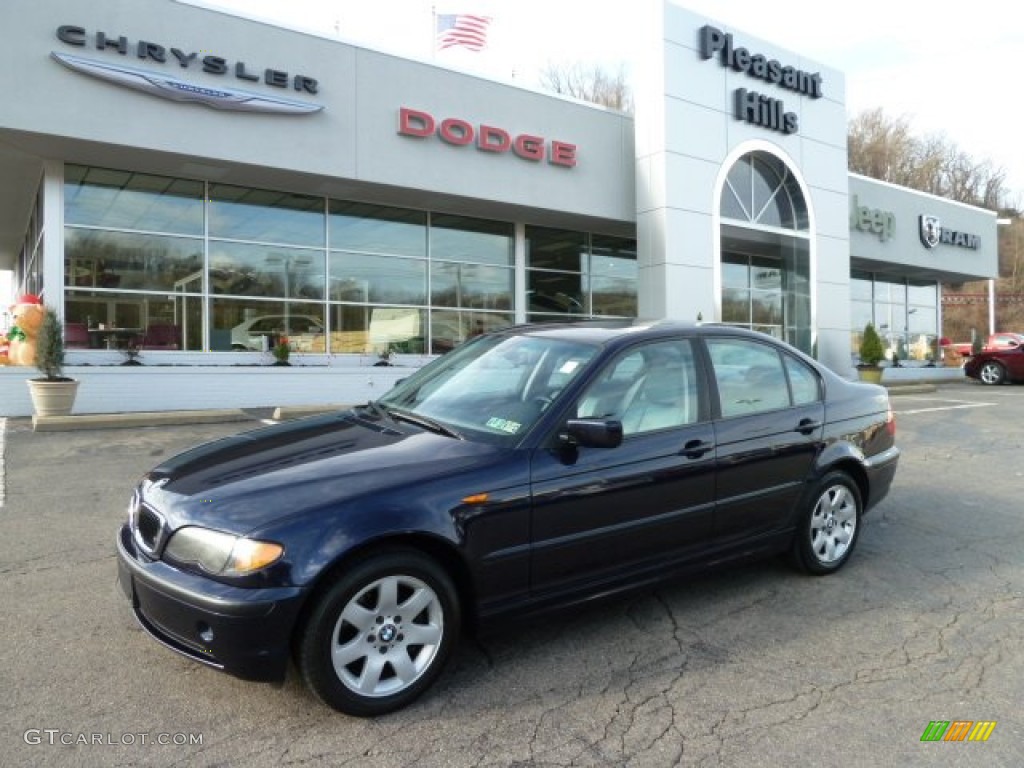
433, 33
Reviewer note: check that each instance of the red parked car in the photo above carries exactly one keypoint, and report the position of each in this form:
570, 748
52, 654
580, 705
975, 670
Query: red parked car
994, 366
997, 341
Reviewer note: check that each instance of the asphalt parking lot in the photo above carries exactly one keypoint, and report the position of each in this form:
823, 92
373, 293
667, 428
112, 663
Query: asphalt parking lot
752, 666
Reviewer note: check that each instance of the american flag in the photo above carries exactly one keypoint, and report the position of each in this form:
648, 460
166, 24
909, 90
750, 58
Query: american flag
462, 29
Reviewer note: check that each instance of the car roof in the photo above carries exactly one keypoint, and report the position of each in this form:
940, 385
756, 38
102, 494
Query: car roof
617, 333
606, 331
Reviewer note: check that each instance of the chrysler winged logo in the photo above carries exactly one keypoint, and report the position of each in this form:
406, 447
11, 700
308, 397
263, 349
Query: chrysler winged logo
931, 231
176, 89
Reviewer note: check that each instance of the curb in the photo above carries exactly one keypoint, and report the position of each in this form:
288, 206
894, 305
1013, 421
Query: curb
137, 419
171, 418
910, 389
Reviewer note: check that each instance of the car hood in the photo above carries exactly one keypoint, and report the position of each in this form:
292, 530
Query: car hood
255, 478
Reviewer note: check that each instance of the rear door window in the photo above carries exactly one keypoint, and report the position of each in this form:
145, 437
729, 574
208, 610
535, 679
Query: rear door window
750, 377
803, 381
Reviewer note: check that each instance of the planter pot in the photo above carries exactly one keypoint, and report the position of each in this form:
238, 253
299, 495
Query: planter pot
52, 398
870, 373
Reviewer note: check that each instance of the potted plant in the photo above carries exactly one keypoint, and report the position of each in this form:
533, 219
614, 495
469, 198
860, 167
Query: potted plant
281, 351
871, 354
54, 393
131, 352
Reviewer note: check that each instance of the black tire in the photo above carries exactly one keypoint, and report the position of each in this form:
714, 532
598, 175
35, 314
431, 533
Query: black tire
829, 526
992, 373
380, 634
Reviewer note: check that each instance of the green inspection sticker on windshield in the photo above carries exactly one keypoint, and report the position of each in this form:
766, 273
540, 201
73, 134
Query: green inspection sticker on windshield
505, 425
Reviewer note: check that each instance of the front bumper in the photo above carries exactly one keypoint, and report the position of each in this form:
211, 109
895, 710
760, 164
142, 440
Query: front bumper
244, 632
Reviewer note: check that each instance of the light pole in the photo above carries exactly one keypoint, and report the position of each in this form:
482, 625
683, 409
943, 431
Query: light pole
992, 284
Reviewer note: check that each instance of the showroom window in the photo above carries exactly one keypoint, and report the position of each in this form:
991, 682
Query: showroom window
409, 281
177, 264
133, 259
905, 312
30, 256
472, 278
578, 275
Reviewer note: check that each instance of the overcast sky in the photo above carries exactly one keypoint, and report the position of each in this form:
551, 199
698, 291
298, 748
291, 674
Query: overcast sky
952, 69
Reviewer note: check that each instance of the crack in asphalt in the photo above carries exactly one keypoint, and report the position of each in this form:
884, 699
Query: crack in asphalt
67, 561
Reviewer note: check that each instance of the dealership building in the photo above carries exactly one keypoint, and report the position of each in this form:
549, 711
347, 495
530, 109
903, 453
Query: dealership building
195, 185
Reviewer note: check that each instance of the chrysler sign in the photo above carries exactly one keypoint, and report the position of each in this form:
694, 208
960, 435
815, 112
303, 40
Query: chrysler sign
167, 86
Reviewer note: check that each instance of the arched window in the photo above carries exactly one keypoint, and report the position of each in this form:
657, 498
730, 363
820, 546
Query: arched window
765, 247
760, 190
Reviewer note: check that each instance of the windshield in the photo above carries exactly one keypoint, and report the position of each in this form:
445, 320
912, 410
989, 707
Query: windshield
493, 388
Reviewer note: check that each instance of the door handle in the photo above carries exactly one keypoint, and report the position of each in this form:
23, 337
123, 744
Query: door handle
806, 426
694, 449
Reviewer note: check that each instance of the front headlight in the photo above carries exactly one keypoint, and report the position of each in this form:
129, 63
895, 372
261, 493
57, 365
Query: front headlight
221, 553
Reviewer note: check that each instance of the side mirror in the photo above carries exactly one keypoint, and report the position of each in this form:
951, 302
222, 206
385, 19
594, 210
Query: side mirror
593, 433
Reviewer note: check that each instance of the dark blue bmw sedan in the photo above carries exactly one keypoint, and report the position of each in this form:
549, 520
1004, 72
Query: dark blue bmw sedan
530, 468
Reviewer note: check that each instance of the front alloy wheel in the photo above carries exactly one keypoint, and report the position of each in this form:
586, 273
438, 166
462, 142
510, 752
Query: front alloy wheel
381, 634
991, 373
830, 526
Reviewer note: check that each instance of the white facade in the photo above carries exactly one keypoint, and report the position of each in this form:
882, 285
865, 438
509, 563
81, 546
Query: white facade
350, 148
390, 131
688, 137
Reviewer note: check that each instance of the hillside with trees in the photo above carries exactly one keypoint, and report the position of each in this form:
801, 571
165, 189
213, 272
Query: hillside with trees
884, 148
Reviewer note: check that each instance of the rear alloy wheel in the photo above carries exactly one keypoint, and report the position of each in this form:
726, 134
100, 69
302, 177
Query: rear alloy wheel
381, 634
828, 530
991, 373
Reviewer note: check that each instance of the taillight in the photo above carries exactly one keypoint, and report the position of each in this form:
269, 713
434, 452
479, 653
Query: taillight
890, 422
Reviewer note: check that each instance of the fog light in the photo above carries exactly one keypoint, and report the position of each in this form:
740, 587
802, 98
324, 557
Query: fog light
205, 633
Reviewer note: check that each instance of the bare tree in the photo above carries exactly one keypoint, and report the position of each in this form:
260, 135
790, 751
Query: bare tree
884, 148
880, 147
589, 82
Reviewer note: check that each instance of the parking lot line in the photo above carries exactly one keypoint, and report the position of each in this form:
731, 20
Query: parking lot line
957, 405
3, 461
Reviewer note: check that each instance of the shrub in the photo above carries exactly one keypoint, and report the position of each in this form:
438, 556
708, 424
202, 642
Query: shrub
50, 347
871, 350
